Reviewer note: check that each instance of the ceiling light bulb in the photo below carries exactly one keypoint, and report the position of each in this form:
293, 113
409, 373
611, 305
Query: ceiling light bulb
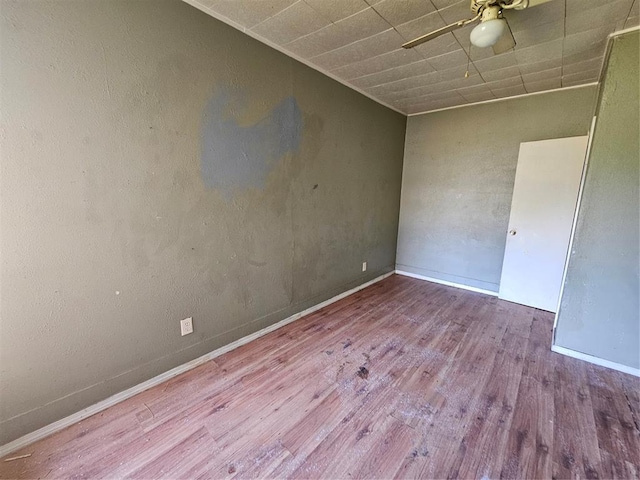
487, 33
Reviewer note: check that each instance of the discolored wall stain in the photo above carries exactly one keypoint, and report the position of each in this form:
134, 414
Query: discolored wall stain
124, 141
236, 156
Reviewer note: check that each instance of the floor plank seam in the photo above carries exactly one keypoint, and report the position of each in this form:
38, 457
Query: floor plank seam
633, 414
403, 380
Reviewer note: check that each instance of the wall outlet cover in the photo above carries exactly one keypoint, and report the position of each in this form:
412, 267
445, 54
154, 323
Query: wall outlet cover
186, 326
364, 266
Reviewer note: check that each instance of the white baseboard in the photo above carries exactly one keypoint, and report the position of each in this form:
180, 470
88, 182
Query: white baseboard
554, 348
595, 360
163, 377
449, 284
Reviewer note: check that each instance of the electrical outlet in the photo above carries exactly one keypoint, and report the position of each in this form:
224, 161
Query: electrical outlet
186, 326
364, 266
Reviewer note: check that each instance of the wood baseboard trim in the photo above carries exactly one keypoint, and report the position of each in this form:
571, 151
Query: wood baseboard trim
449, 284
595, 360
163, 377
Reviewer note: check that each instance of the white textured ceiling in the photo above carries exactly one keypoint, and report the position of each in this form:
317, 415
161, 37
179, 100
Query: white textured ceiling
559, 44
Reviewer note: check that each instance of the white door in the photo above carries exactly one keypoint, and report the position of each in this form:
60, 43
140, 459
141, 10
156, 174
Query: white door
542, 209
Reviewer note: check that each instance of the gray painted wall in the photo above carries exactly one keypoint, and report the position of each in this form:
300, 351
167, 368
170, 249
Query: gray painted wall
158, 164
600, 311
459, 171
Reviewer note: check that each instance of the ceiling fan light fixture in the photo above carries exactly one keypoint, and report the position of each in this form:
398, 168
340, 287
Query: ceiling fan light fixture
487, 33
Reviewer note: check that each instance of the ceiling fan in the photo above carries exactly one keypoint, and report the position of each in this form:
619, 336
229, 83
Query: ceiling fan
493, 29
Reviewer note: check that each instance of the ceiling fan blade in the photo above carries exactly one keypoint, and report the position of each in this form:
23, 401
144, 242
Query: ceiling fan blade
440, 31
506, 42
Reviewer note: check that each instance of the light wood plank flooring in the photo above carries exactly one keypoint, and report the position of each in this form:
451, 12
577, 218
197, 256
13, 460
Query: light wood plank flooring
405, 379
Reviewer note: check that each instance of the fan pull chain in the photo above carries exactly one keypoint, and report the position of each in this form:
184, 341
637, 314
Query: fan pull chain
466, 74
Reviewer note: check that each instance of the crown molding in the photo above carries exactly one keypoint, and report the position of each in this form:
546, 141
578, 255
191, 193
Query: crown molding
495, 100
222, 18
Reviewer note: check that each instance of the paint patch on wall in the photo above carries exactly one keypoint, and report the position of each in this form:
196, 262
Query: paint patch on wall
236, 156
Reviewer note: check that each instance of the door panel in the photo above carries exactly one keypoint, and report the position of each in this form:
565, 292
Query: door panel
542, 211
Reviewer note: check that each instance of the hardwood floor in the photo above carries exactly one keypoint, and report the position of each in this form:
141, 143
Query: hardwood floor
404, 379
